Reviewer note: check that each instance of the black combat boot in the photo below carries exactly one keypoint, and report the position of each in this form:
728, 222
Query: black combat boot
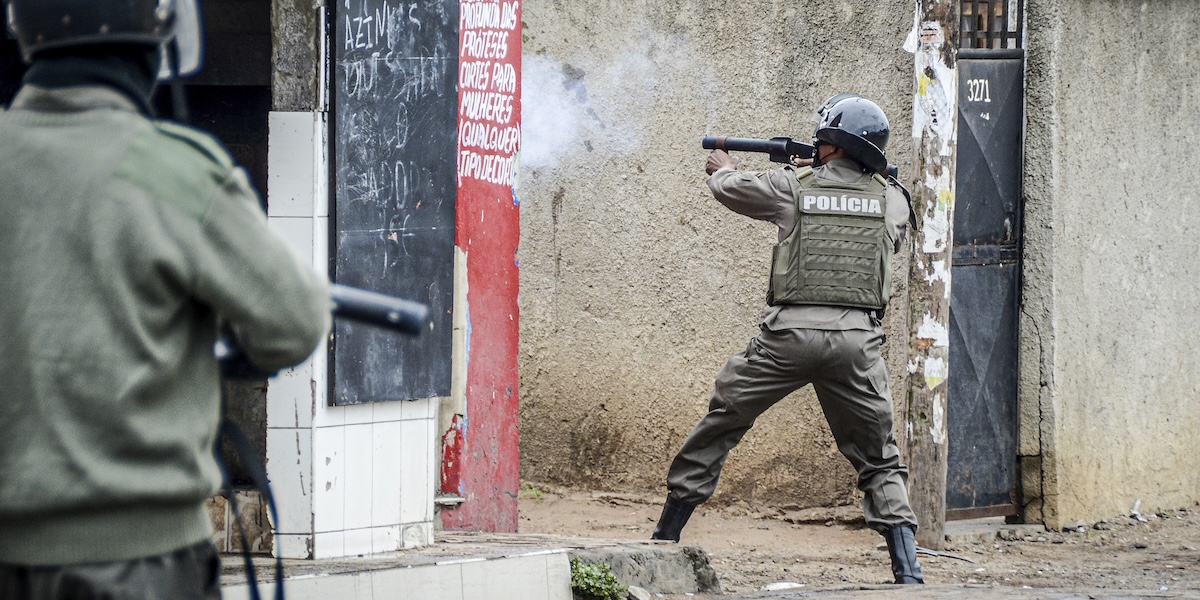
675, 515
902, 546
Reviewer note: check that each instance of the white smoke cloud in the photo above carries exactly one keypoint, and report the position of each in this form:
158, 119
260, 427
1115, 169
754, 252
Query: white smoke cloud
551, 114
628, 90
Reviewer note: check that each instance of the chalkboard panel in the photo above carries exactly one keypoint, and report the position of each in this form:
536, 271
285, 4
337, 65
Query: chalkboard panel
394, 144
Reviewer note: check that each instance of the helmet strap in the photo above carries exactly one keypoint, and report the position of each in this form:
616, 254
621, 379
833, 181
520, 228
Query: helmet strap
178, 99
816, 157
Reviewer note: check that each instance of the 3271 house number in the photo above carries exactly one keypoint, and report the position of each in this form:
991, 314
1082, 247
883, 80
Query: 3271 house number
978, 90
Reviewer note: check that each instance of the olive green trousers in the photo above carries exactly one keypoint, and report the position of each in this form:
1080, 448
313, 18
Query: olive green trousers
848, 374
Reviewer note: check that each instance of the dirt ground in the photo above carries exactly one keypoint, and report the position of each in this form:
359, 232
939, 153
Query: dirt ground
752, 547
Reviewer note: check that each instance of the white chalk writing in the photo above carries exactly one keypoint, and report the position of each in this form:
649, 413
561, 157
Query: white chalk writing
380, 28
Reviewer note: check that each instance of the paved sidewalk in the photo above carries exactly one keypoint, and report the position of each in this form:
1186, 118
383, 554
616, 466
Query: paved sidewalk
671, 571
478, 566
943, 592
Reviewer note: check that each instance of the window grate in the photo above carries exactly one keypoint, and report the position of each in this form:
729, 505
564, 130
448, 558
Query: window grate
991, 24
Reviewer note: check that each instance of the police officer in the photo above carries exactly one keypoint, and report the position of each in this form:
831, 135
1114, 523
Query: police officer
839, 223
125, 244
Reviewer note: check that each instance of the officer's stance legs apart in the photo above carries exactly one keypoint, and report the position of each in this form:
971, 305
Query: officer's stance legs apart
829, 337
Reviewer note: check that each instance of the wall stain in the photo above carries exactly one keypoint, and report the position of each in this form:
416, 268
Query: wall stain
597, 451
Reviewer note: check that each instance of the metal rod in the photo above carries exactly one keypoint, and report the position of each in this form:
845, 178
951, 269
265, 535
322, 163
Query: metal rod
964, 29
1004, 22
1020, 23
981, 37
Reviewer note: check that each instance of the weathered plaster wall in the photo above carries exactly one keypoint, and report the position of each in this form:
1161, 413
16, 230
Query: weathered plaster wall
635, 284
1111, 370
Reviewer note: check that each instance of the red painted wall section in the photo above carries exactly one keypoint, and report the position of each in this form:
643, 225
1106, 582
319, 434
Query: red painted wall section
480, 456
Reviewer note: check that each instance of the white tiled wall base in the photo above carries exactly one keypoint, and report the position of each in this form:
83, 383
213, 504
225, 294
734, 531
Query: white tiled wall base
371, 540
348, 480
294, 546
537, 576
374, 481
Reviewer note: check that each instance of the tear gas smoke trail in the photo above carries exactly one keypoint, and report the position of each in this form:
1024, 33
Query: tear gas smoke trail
550, 113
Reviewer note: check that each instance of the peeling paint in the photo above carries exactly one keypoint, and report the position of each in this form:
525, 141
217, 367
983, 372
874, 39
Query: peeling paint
454, 444
932, 35
467, 333
936, 373
936, 226
945, 197
488, 232
939, 272
935, 332
938, 430
937, 233
913, 42
935, 132
937, 88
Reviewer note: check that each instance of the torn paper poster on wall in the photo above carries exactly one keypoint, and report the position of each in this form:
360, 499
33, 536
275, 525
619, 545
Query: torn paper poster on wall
934, 112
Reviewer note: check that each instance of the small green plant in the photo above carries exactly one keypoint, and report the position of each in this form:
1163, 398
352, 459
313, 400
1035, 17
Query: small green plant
531, 491
595, 581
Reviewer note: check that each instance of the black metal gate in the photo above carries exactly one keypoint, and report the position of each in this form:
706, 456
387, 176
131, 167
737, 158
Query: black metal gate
983, 477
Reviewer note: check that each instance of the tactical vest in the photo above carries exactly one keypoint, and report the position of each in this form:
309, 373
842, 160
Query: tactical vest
839, 253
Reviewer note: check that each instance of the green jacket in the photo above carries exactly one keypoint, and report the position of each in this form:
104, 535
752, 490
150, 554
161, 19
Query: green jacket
122, 243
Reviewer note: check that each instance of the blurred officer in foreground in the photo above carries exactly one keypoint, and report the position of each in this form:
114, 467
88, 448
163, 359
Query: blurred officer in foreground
125, 245
839, 223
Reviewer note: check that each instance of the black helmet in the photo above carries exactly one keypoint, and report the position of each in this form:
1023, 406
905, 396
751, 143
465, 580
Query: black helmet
834, 99
857, 126
40, 25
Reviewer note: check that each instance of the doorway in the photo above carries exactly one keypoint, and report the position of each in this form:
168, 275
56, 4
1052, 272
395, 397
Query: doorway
983, 478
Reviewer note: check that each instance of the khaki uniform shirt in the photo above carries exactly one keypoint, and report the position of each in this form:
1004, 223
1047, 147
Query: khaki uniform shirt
768, 196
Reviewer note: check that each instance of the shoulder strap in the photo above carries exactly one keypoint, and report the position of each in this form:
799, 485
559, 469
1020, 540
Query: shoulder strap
804, 176
912, 215
203, 142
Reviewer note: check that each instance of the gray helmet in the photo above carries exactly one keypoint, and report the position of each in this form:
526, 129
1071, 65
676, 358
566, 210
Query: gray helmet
173, 25
857, 126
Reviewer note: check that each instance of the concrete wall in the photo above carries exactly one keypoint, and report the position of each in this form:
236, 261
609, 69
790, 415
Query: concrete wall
635, 284
1111, 344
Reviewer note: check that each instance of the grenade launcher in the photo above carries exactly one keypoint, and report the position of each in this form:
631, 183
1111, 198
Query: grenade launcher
779, 149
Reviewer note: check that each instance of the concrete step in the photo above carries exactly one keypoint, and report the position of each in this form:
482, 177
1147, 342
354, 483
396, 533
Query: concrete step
989, 529
479, 566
